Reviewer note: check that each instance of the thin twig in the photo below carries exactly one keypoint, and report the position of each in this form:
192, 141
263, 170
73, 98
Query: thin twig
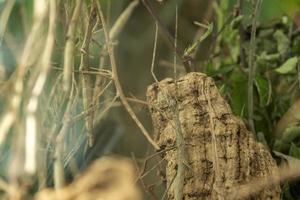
87, 82
154, 54
69, 47
122, 19
166, 96
87, 112
143, 171
152, 168
181, 154
252, 64
103, 73
113, 34
209, 13
118, 84
59, 177
137, 101
140, 178
169, 187
188, 64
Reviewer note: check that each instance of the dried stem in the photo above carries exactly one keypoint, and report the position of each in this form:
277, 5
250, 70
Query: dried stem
59, 177
118, 84
154, 54
87, 82
69, 47
181, 154
122, 19
252, 65
31, 122
113, 34
209, 13
188, 63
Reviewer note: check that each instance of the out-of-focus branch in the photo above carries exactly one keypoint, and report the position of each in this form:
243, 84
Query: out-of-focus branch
4, 18
29, 52
69, 48
31, 123
122, 19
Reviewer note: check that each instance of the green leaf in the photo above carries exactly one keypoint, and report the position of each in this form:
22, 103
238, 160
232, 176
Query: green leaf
288, 66
263, 87
238, 97
294, 151
236, 22
283, 42
289, 135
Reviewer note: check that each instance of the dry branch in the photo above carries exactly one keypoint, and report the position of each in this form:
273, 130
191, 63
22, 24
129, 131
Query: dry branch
69, 48
118, 86
29, 55
122, 20
113, 35
87, 82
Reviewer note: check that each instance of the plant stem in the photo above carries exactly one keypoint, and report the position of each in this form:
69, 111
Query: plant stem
252, 65
69, 47
118, 84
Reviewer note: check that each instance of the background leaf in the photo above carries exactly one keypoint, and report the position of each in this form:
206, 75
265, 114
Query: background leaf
288, 66
294, 151
264, 90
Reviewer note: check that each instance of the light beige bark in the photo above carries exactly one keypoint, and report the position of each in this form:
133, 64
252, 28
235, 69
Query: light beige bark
221, 153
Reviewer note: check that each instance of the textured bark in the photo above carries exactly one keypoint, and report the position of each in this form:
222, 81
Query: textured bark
221, 154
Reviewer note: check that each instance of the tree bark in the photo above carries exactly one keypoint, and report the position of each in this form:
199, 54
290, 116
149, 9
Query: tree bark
221, 154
